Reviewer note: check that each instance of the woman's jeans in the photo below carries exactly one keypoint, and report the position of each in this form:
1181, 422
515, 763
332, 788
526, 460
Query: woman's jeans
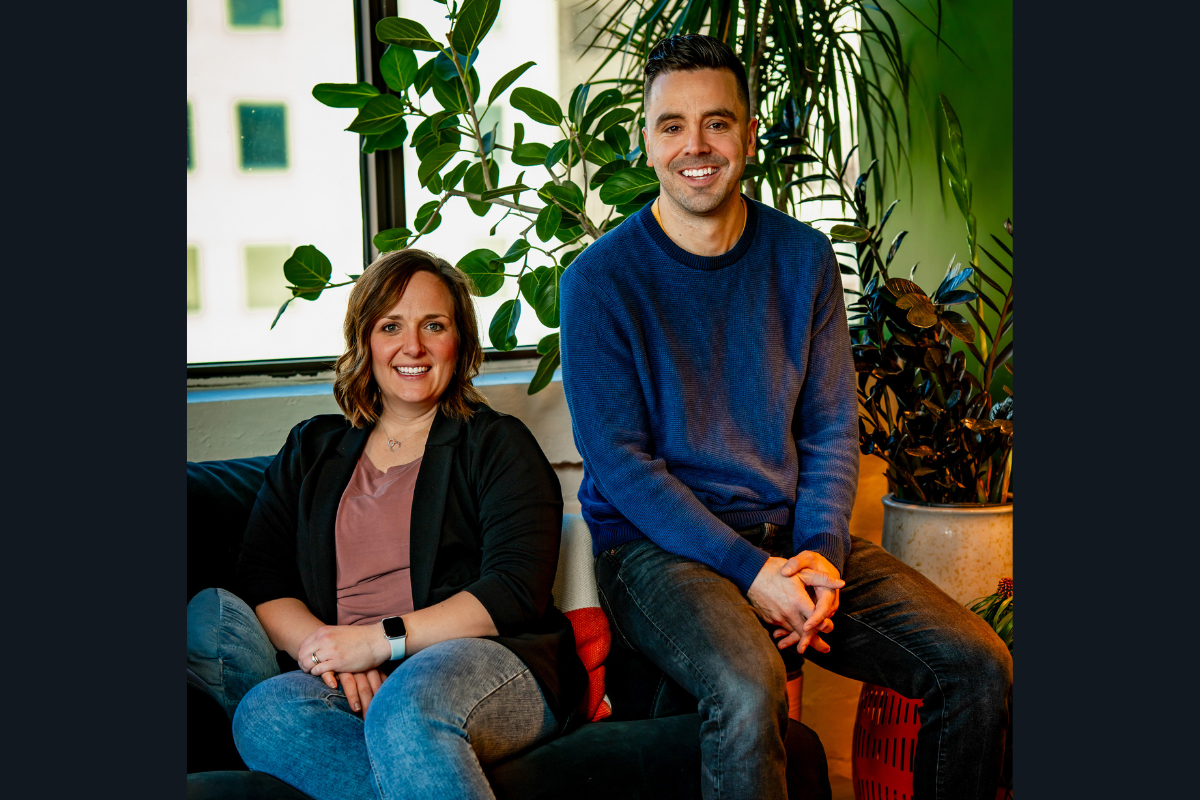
441, 714
227, 648
893, 628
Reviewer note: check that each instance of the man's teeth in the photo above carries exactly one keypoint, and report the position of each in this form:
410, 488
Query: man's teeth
412, 370
699, 173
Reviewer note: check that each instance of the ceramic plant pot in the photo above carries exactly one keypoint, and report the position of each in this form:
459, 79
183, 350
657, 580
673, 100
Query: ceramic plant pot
963, 549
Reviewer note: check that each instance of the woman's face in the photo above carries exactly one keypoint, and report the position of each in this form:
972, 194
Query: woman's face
414, 347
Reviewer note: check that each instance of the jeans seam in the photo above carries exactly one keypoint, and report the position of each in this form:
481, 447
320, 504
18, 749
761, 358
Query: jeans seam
937, 679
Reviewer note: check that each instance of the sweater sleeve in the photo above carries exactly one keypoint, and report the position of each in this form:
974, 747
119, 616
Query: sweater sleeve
612, 431
827, 429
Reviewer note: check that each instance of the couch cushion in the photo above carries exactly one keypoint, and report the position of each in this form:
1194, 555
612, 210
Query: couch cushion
220, 495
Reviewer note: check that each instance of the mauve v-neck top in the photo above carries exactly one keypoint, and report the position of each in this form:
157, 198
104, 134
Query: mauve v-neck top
372, 534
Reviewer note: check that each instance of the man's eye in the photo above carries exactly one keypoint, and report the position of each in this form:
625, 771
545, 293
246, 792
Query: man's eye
671, 128
718, 125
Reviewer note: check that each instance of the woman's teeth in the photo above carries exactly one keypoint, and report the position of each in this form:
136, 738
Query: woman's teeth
699, 173
412, 370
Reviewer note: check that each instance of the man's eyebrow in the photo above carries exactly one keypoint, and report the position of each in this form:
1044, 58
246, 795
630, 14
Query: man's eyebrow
667, 116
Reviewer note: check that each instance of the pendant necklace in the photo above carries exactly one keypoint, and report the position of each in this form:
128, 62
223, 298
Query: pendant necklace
393, 445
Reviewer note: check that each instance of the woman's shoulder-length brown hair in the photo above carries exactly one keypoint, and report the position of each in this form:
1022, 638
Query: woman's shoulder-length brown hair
376, 291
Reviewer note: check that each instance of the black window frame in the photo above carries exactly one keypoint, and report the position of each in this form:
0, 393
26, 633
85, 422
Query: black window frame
381, 184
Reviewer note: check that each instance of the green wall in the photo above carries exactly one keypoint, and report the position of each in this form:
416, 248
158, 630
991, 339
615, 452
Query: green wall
979, 86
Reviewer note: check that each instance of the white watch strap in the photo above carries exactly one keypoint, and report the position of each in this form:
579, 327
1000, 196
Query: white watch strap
397, 648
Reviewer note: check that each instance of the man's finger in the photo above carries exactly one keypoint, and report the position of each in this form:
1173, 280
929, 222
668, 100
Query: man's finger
822, 610
812, 577
796, 563
788, 640
350, 689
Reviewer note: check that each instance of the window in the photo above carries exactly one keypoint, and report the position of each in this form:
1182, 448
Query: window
263, 265
262, 134
193, 278
255, 14
191, 159
295, 179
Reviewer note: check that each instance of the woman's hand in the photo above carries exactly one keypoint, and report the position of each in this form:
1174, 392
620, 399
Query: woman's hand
344, 648
359, 687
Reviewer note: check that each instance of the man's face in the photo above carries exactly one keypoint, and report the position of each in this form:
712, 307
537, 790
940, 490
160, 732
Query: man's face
698, 135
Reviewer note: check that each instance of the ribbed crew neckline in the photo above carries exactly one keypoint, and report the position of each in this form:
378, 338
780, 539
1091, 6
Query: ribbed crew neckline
708, 263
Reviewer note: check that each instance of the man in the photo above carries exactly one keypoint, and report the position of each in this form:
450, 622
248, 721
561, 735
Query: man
707, 365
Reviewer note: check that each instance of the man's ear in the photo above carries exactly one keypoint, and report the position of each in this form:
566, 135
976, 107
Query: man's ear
646, 148
752, 138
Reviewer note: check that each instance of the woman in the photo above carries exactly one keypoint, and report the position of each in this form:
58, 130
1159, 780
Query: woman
423, 650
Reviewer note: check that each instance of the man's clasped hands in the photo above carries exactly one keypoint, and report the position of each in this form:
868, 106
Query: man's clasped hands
800, 596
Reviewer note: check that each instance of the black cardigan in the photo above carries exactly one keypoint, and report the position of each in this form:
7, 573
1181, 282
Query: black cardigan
486, 519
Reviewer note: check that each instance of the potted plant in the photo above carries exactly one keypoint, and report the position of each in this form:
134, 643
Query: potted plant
930, 405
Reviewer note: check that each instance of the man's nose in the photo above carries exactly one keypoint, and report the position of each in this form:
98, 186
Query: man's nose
697, 143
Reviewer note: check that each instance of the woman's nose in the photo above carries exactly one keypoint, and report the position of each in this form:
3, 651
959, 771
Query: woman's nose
411, 345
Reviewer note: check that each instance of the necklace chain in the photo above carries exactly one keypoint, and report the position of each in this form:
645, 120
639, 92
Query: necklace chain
393, 445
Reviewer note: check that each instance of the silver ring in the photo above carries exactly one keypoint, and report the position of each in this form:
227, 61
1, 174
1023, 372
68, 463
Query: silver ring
314, 658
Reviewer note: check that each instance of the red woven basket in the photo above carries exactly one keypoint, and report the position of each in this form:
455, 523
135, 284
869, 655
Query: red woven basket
885, 736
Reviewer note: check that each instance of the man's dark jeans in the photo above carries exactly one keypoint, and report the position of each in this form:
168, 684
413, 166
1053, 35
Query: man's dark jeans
893, 628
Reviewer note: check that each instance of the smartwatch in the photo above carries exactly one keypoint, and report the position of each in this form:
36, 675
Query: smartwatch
394, 630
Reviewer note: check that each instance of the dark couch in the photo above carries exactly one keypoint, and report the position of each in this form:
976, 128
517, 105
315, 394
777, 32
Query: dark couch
649, 748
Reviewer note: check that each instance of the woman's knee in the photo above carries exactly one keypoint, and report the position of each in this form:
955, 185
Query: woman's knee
272, 714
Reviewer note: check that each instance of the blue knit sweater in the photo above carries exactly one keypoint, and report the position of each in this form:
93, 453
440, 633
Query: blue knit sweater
710, 394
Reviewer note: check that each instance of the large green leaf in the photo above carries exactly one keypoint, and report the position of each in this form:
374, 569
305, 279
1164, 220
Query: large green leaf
473, 183
428, 214
344, 95
540, 107
547, 343
386, 140
398, 66
567, 194
307, 267
607, 171
530, 154
453, 95
548, 220
578, 103
618, 116
424, 78
475, 19
556, 152
546, 299
478, 266
455, 175
391, 239
601, 103
503, 330
596, 151
380, 114
527, 284
627, 184
437, 158
545, 370
516, 251
444, 66
849, 233
507, 80
406, 33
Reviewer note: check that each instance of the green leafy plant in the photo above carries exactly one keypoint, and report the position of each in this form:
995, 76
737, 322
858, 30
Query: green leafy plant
927, 412
589, 164
997, 610
804, 59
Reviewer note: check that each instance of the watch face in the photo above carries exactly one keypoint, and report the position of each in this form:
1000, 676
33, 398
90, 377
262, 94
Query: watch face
393, 627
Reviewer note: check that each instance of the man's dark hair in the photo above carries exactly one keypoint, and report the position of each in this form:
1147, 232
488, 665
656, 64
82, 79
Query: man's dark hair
693, 51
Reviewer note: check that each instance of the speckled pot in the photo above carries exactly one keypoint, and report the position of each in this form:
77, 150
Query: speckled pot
964, 549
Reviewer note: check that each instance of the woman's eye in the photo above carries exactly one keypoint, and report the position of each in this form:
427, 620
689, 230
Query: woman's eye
389, 328
436, 326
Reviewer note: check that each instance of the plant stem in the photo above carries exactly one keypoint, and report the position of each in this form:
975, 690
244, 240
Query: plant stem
494, 200
462, 76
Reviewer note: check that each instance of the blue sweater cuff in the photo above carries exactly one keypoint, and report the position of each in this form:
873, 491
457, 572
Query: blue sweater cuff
742, 563
830, 545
